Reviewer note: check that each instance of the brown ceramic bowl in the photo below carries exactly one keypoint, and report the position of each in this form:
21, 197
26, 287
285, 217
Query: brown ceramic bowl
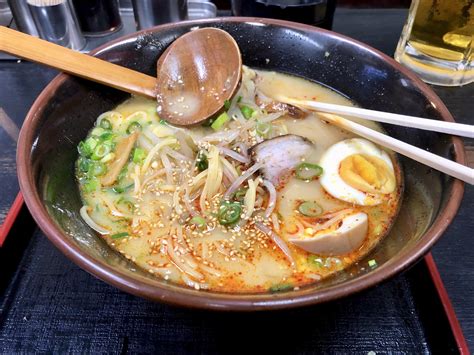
67, 108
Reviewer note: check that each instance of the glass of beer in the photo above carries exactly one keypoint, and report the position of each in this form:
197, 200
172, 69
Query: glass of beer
437, 41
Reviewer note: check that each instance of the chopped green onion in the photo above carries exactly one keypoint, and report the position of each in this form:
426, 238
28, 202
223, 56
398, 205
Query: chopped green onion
201, 161
107, 158
101, 151
91, 142
310, 209
97, 169
229, 212
105, 124
198, 221
239, 99
97, 131
226, 104
263, 129
372, 263
315, 261
122, 173
119, 235
121, 189
106, 137
220, 121
308, 171
127, 203
240, 193
133, 127
139, 155
281, 288
86, 148
83, 164
91, 185
246, 111
163, 121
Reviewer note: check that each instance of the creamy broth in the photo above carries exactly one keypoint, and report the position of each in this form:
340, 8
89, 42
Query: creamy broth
165, 209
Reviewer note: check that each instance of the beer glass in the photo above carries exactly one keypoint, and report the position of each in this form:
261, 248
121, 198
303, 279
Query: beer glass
437, 41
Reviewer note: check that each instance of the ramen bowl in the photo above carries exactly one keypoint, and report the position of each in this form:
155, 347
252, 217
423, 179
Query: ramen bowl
66, 110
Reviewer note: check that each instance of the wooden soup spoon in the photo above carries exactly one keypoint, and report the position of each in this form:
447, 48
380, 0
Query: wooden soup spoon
197, 73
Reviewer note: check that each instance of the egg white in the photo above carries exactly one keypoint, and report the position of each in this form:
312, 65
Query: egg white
345, 239
332, 181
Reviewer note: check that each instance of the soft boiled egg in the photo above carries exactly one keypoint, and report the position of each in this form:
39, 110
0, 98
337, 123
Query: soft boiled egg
357, 171
341, 237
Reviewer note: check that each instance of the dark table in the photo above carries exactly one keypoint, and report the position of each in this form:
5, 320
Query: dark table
51, 305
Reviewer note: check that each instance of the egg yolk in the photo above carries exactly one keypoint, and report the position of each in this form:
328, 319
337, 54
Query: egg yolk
367, 173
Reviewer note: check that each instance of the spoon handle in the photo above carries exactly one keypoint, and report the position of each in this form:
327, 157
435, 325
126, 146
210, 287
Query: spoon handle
78, 64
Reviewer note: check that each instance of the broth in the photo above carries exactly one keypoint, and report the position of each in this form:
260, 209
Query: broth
167, 205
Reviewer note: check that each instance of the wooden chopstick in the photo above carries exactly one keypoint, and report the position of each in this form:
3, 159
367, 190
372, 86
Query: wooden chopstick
453, 128
434, 161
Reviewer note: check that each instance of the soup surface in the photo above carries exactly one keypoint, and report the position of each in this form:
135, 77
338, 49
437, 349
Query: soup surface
264, 197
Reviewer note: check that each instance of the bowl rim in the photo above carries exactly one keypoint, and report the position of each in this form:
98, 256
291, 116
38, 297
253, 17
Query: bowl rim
220, 301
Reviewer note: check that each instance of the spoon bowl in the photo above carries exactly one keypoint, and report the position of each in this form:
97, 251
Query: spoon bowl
196, 74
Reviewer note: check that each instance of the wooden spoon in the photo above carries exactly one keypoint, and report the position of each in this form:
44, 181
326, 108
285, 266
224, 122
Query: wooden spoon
196, 74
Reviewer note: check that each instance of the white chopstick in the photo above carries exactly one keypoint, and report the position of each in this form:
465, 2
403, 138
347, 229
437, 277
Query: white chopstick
457, 129
432, 160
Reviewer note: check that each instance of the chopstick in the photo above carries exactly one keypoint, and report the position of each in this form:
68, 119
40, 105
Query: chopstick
434, 161
453, 128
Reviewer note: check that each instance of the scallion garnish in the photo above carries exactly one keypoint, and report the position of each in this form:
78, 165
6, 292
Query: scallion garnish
107, 158
229, 212
315, 261
119, 235
83, 164
123, 173
308, 171
310, 209
101, 151
198, 221
105, 124
263, 129
220, 121
372, 263
96, 169
126, 203
97, 131
121, 189
86, 148
201, 161
91, 185
106, 136
139, 155
134, 127
240, 194
226, 104
281, 288
246, 111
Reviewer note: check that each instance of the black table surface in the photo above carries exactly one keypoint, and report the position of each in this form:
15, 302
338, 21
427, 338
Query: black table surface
47, 283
